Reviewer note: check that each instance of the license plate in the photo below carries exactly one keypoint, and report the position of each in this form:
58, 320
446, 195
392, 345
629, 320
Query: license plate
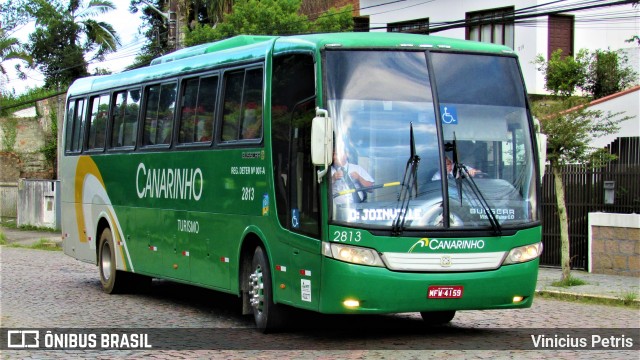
444, 292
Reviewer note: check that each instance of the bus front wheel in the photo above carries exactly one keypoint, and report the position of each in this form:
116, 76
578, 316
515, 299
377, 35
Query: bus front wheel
113, 281
267, 314
438, 317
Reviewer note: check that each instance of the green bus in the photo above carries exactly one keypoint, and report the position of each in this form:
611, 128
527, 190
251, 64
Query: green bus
307, 171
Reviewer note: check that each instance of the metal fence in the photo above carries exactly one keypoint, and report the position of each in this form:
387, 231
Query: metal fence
585, 193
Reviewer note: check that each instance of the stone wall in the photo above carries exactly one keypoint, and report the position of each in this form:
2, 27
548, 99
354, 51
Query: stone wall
614, 244
23, 158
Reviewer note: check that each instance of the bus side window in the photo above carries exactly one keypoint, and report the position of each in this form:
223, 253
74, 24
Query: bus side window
251, 125
159, 114
75, 126
242, 117
197, 113
71, 110
206, 108
98, 122
231, 107
131, 112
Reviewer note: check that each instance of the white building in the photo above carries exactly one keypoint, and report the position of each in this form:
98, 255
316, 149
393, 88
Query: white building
530, 27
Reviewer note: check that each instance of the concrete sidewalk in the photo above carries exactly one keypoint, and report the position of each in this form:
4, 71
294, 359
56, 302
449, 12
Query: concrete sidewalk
612, 287
29, 237
626, 288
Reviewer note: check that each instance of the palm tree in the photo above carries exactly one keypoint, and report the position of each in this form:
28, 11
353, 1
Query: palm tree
10, 50
99, 34
65, 34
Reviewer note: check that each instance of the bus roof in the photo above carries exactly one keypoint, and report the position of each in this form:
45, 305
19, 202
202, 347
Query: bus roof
248, 47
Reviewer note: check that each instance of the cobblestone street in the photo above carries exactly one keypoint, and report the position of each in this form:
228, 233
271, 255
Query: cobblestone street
42, 289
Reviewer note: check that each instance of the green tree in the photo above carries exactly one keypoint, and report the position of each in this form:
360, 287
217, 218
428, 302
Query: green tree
563, 74
156, 31
608, 74
65, 33
570, 125
269, 17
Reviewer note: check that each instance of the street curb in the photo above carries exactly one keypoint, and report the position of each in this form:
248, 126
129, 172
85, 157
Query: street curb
563, 295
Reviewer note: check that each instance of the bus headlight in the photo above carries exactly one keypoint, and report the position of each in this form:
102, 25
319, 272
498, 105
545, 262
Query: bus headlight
523, 254
352, 254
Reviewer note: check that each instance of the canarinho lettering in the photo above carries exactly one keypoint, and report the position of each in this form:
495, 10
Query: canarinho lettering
162, 183
436, 244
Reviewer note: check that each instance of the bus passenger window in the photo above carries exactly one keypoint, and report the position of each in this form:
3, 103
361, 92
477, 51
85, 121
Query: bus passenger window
242, 119
125, 118
232, 100
98, 122
159, 111
206, 108
75, 125
198, 110
252, 107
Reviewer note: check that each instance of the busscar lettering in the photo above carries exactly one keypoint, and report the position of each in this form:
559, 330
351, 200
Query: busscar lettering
163, 183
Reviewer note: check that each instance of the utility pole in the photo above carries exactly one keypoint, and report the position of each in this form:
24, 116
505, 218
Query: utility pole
173, 28
171, 18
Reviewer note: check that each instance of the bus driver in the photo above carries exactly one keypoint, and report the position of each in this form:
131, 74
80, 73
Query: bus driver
348, 176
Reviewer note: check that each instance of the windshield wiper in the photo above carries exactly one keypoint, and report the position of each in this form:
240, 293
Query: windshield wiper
409, 183
461, 173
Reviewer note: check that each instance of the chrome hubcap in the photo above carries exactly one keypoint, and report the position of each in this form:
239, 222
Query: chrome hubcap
106, 261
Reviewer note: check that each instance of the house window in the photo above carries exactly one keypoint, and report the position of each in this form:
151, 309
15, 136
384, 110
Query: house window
417, 26
560, 34
491, 26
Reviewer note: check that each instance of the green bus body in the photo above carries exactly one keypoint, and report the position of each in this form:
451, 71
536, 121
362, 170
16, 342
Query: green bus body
195, 211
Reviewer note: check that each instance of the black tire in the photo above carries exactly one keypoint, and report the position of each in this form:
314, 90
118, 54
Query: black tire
113, 281
438, 317
268, 316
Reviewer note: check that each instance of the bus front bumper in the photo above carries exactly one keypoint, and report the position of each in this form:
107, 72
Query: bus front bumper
378, 290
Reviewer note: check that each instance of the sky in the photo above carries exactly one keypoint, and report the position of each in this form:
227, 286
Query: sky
127, 26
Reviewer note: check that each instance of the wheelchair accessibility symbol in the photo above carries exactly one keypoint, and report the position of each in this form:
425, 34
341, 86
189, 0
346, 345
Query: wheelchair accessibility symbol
449, 114
295, 218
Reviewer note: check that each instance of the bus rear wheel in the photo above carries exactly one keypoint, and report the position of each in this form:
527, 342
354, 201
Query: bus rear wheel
113, 281
268, 315
437, 317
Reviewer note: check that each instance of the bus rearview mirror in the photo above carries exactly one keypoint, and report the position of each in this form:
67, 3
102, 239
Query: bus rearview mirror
322, 142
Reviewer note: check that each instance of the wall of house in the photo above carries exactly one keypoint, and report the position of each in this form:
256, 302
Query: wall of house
614, 244
530, 39
627, 102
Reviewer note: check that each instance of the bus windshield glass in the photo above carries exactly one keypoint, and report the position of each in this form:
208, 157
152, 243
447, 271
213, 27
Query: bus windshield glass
387, 157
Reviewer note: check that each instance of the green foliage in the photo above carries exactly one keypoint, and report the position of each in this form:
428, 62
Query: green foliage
10, 101
9, 133
50, 148
156, 31
57, 54
600, 73
570, 126
269, 17
335, 20
65, 32
608, 74
10, 49
564, 75
570, 281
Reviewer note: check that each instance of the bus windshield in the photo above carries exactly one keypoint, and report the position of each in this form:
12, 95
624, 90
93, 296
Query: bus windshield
382, 103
